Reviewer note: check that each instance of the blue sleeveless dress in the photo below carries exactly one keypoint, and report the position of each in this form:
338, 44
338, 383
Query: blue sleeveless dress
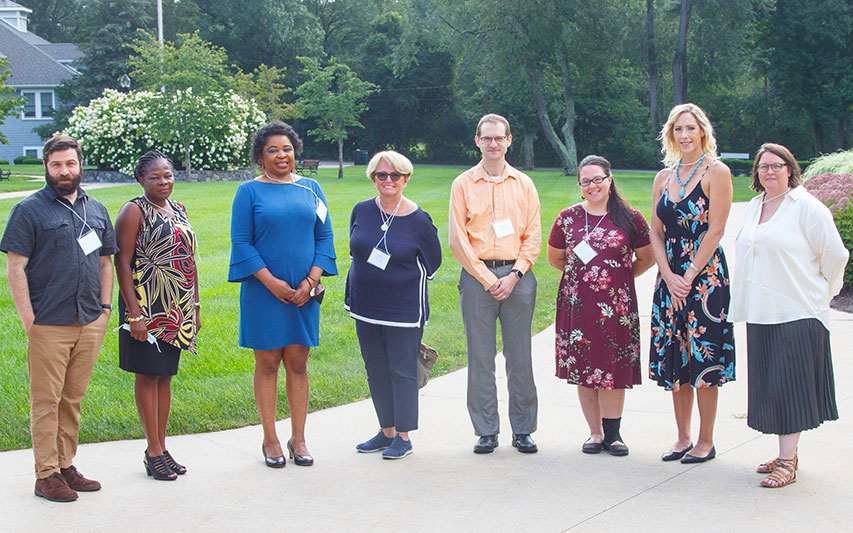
694, 346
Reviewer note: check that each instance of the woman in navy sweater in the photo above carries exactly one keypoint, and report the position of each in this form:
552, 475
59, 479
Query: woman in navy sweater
395, 250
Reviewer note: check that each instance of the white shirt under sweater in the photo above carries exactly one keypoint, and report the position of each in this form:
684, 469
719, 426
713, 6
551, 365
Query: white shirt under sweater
789, 267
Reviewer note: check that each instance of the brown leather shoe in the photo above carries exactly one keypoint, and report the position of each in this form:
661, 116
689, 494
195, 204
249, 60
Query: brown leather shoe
54, 488
76, 480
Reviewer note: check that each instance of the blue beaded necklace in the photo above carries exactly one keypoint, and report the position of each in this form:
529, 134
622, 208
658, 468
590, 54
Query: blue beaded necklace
688, 177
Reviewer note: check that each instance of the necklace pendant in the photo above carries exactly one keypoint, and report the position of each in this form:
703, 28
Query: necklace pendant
384, 227
682, 193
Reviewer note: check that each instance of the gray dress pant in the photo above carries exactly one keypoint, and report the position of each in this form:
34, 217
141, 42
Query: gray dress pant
480, 313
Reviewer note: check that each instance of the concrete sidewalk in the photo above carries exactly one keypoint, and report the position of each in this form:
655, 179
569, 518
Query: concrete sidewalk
444, 486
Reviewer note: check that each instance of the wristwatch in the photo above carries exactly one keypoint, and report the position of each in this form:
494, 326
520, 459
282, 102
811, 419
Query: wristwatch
107, 306
517, 272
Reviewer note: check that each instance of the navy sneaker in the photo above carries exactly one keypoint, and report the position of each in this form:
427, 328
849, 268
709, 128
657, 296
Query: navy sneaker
378, 443
399, 448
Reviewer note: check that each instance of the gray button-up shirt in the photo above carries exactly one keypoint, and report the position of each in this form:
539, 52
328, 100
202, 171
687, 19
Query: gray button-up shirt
64, 283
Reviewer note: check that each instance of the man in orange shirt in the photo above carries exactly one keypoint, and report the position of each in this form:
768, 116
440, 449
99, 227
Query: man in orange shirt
495, 234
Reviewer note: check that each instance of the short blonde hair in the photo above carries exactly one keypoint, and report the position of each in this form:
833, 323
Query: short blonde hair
670, 150
397, 160
496, 119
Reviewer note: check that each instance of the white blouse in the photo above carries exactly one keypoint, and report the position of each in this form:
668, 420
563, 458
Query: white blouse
789, 267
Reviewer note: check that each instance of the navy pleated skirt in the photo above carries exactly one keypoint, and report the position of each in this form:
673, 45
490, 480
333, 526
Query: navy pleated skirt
791, 384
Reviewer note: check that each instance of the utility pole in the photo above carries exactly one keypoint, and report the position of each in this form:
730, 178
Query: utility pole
160, 22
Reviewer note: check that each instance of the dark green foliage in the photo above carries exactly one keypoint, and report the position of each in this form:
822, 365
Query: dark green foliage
27, 160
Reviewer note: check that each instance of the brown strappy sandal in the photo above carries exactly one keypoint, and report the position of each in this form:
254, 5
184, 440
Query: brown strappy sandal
769, 466
785, 473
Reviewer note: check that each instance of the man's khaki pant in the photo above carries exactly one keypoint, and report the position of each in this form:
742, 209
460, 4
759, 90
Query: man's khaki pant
60, 361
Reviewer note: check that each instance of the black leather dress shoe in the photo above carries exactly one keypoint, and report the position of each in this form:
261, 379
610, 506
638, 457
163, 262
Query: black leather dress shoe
524, 443
273, 462
690, 459
486, 444
675, 455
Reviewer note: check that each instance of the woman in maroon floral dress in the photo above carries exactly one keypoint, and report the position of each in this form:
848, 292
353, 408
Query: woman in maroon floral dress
600, 245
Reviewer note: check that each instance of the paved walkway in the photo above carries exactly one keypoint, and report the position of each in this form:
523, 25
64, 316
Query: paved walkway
444, 486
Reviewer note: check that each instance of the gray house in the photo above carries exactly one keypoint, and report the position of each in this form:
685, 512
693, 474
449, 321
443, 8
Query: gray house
38, 68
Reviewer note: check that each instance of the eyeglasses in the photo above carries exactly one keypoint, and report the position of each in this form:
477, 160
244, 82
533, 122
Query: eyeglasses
596, 180
488, 140
777, 167
382, 176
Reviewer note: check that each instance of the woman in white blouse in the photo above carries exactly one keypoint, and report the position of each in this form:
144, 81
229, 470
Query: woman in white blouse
790, 263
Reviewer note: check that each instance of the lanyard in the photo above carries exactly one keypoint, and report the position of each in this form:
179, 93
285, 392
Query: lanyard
83, 218
586, 223
386, 223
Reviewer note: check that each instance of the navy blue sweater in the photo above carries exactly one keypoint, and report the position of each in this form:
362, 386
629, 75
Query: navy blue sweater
396, 296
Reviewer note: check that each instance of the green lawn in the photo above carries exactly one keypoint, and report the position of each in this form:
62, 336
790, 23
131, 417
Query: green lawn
22, 178
214, 388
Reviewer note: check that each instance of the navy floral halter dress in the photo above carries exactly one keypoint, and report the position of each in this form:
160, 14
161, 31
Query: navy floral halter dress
695, 345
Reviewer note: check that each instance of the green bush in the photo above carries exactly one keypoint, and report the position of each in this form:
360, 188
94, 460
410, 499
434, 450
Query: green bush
840, 162
836, 192
3, 162
739, 167
27, 160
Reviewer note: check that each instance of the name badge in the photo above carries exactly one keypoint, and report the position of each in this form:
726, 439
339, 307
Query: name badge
89, 242
503, 228
322, 211
584, 252
379, 259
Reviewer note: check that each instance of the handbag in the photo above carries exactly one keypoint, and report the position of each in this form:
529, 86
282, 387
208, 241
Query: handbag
426, 360
318, 292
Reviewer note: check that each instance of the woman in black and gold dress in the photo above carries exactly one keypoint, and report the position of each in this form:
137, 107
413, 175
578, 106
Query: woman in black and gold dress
158, 301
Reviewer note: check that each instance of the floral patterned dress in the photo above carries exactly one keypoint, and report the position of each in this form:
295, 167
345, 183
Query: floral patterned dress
695, 345
597, 324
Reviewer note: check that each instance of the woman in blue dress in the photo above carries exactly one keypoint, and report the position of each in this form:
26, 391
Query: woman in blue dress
692, 344
281, 243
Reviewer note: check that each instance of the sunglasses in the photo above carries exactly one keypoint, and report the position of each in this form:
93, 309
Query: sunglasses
382, 176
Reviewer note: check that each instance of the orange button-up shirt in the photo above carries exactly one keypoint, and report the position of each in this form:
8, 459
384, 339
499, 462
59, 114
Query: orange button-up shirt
472, 235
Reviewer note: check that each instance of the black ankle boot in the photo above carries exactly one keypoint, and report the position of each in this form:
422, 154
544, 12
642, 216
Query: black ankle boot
611, 435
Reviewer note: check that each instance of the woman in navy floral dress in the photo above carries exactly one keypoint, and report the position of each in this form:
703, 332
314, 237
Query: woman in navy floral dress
597, 325
692, 345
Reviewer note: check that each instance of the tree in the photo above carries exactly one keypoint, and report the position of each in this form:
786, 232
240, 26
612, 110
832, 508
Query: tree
8, 104
653, 67
333, 95
265, 87
57, 21
679, 61
187, 72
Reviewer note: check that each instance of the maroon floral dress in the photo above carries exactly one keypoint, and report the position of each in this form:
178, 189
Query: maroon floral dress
597, 325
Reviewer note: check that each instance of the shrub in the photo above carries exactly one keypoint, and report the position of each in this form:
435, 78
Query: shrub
837, 163
117, 128
739, 167
3, 162
27, 160
836, 192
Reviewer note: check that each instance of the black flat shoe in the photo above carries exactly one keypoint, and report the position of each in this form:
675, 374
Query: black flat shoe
273, 462
619, 450
300, 460
524, 443
691, 459
592, 447
675, 456
486, 444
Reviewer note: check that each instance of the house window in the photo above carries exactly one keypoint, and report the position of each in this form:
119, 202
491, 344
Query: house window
38, 104
33, 151
47, 104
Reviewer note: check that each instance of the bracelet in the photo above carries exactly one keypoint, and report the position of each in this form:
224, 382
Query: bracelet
310, 280
691, 265
140, 318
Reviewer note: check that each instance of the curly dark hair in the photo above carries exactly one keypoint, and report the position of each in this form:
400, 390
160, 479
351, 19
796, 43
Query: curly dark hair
147, 158
276, 127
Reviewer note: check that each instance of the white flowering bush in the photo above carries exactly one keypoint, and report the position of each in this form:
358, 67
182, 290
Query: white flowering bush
117, 128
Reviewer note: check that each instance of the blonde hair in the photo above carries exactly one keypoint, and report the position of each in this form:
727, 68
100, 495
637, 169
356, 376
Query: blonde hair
669, 147
397, 160
495, 119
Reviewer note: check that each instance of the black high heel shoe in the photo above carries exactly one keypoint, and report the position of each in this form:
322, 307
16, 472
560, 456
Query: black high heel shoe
176, 467
273, 462
300, 460
157, 468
